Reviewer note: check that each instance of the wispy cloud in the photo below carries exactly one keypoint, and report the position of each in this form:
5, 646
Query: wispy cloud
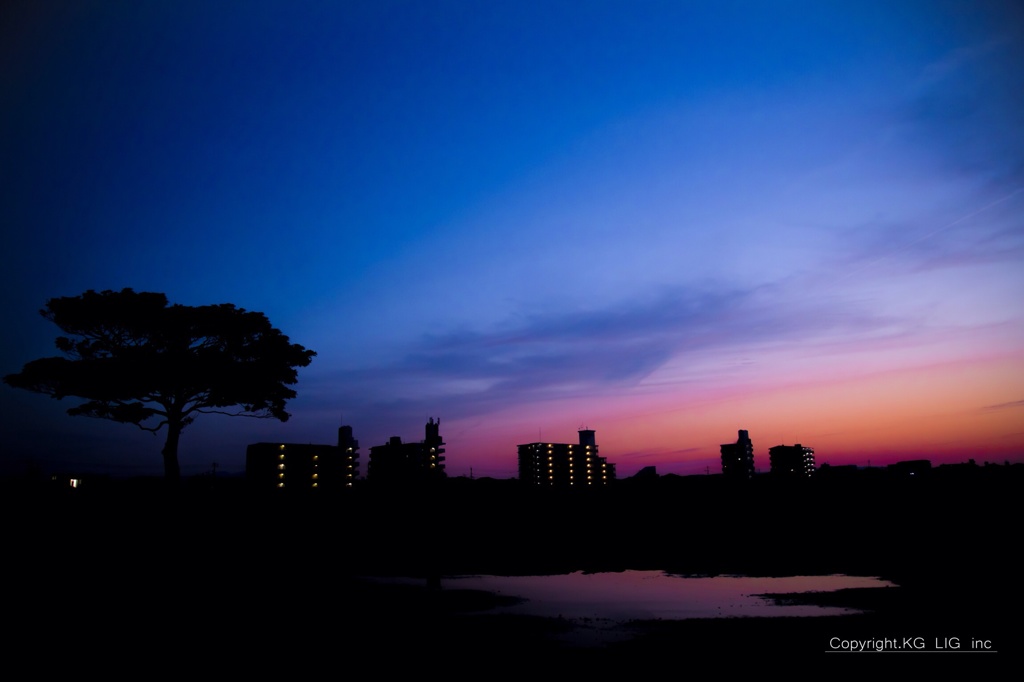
1005, 406
983, 231
603, 351
970, 90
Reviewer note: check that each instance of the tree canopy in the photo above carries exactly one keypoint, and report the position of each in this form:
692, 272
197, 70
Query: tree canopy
137, 360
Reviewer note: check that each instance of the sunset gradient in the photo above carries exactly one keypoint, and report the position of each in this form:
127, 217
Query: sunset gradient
662, 221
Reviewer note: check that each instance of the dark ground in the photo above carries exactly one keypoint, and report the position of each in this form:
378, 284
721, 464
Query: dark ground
133, 580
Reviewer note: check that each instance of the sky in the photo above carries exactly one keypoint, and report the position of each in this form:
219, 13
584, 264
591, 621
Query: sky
663, 221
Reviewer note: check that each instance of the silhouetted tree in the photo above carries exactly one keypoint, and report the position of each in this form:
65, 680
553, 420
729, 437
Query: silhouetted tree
137, 360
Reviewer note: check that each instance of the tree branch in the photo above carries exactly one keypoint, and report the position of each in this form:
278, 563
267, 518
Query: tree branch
252, 415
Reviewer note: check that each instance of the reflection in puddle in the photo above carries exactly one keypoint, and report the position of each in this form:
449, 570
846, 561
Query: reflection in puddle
653, 595
600, 608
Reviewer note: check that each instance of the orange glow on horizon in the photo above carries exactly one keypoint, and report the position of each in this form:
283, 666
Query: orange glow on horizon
946, 413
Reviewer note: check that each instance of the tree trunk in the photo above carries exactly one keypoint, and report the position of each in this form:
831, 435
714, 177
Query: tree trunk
172, 473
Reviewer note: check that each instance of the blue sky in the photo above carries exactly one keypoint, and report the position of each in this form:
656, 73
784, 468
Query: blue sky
644, 217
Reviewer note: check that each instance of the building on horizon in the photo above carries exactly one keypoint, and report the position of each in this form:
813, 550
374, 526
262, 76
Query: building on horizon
910, 468
738, 458
791, 461
303, 466
565, 465
398, 462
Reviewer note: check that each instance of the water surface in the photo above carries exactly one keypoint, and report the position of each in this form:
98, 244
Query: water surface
651, 595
